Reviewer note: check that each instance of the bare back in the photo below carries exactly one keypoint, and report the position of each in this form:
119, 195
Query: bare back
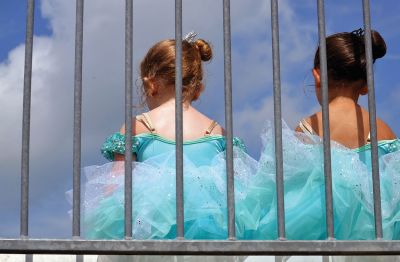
162, 120
349, 126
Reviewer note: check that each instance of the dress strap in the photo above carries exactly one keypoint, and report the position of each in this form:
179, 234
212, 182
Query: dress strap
306, 127
146, 120
211, 128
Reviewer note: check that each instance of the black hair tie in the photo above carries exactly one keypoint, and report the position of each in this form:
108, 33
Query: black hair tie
359, 32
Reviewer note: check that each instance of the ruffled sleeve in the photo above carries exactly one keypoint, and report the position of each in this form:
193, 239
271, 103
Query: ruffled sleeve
394, 146
116, 144
238, 142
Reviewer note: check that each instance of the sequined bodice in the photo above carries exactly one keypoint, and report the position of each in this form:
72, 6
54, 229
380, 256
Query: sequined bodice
384, 147
200, 151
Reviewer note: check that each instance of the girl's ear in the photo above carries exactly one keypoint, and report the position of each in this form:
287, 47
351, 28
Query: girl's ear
151, 87
317, 77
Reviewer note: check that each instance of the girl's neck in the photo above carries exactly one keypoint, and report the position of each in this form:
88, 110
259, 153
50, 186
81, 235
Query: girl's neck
165, 102
343, 101
344, 92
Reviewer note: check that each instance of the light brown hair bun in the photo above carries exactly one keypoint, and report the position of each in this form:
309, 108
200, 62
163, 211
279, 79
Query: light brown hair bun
159, 65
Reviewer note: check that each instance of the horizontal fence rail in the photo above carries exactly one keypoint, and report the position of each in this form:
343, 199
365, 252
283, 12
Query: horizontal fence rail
180, 246
189, 247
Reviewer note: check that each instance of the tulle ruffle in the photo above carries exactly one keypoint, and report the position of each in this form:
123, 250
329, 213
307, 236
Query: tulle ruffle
154, 199
205, 208
351, 187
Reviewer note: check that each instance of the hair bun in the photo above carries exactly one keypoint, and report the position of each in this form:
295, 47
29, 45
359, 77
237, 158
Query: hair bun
204, 49
378, 45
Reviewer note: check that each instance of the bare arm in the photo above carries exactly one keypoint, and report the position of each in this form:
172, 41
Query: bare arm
384, 131
119, 157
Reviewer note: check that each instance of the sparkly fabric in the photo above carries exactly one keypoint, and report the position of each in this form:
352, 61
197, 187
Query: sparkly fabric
205, 205
154, 189
147, 145
351, 186
154, 200
116, 144
384, 147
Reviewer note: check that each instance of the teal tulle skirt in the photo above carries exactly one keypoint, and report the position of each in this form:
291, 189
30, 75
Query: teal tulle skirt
351, 186
154, 208
205, 207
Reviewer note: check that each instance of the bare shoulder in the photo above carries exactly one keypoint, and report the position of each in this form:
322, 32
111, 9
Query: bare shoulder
137, 127
384, 131
218, 130
213, 126
309, 120
203, 123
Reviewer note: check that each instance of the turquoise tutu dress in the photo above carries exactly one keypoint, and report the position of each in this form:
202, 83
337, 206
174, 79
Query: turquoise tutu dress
352, 187
205, 207
154, 200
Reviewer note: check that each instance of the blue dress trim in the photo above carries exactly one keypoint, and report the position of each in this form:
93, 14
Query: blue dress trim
115, 143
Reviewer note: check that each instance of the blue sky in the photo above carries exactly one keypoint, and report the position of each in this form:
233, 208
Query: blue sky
103, 83
12, 25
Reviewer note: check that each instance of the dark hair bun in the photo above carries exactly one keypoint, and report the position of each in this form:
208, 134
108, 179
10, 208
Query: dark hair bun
204, 49
346, 55
378, 45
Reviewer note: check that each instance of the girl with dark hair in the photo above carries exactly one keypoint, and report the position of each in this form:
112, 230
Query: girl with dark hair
349, 122
353, 207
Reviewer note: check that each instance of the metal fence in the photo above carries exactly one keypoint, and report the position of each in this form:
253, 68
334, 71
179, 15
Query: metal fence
180, 246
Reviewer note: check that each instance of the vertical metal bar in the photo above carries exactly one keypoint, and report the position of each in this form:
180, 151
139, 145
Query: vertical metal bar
26, 119
325, 120
372, 120
179, 121
278, 119
29, 258
76, 199
128, 115
228, 119
79, 258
